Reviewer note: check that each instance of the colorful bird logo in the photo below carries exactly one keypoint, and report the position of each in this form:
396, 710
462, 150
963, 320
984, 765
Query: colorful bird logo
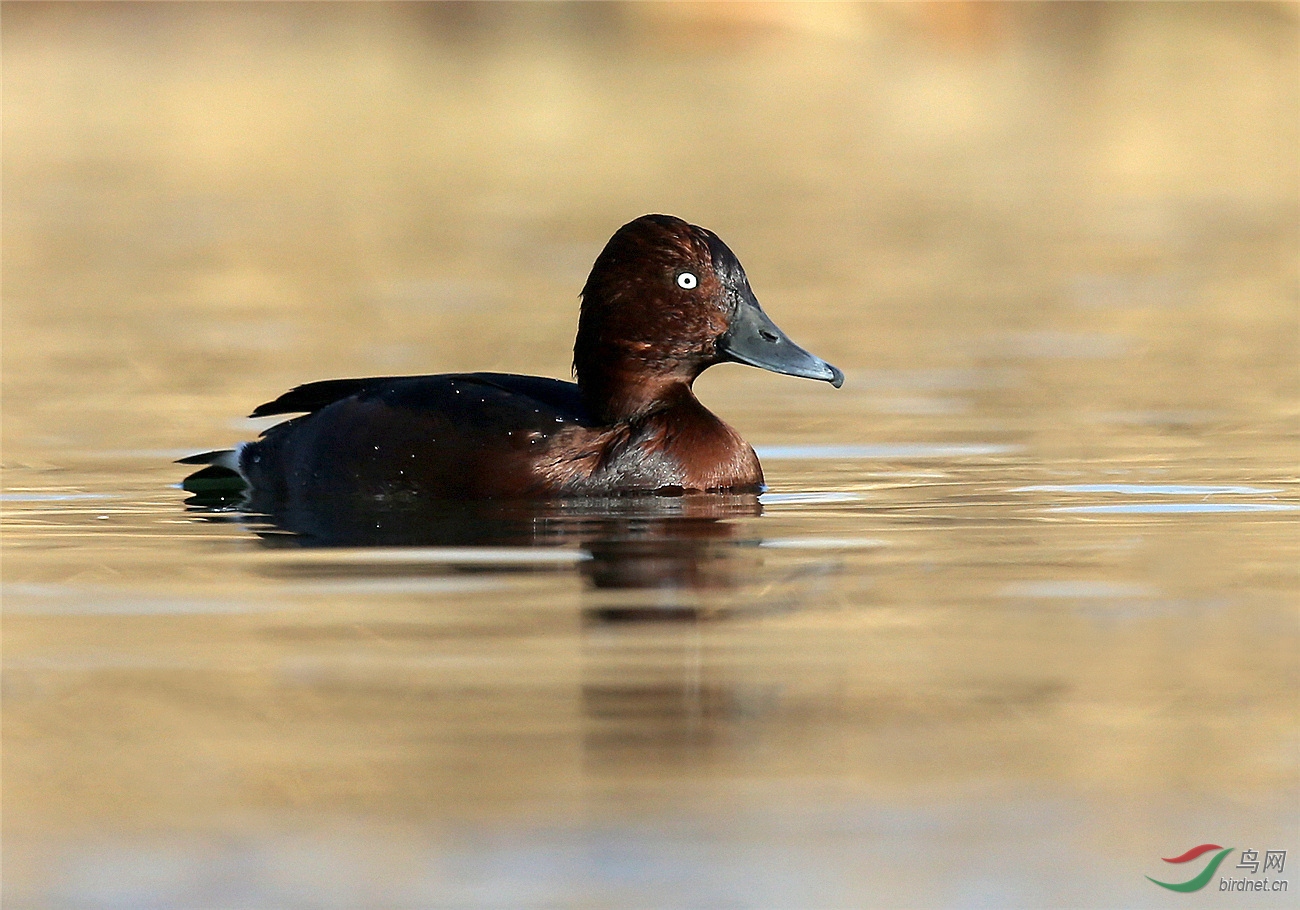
1200, 881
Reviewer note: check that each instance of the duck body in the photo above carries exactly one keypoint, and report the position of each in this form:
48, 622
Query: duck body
665, 301
485, 436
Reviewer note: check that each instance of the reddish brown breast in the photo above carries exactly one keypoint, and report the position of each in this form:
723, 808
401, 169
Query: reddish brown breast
681, 445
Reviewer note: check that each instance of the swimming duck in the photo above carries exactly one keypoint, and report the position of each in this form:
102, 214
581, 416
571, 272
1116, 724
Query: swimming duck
665, 301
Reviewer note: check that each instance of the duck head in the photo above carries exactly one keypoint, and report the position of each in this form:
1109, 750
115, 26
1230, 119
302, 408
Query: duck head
665, 301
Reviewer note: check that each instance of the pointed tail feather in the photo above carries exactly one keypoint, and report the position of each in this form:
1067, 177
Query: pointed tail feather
222, 474
223, 458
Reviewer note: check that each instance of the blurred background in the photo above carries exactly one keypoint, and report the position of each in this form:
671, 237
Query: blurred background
1052, 245
231, 198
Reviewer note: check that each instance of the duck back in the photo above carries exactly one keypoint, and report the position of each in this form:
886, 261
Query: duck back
458, 435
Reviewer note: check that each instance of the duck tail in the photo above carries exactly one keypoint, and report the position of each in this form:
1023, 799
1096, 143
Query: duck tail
223, 458
222, 474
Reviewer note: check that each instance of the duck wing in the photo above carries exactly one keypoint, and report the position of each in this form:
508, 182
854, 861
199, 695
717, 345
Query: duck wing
450, 436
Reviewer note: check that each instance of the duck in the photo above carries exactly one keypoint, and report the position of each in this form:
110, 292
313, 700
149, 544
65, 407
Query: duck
665, 300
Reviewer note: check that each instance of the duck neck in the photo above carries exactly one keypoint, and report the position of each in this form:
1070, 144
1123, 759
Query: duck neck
623, 395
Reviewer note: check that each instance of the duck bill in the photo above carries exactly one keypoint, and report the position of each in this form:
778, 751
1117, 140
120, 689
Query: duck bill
754, 339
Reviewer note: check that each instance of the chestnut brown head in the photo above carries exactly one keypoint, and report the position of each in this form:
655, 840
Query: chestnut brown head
666, 300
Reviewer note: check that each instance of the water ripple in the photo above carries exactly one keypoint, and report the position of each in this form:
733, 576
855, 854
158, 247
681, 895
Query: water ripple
1158, 508
1144, 488
884, 450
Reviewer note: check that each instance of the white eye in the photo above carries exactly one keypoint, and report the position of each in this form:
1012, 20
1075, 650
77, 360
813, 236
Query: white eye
687, 280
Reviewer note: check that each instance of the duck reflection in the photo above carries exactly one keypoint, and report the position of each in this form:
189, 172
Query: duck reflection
649, 687
684, 542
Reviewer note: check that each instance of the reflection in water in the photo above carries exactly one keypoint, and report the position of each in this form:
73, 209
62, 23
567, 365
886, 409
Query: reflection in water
641, 698
650, 542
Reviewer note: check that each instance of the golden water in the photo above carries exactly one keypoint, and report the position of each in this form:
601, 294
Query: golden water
1016, 618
